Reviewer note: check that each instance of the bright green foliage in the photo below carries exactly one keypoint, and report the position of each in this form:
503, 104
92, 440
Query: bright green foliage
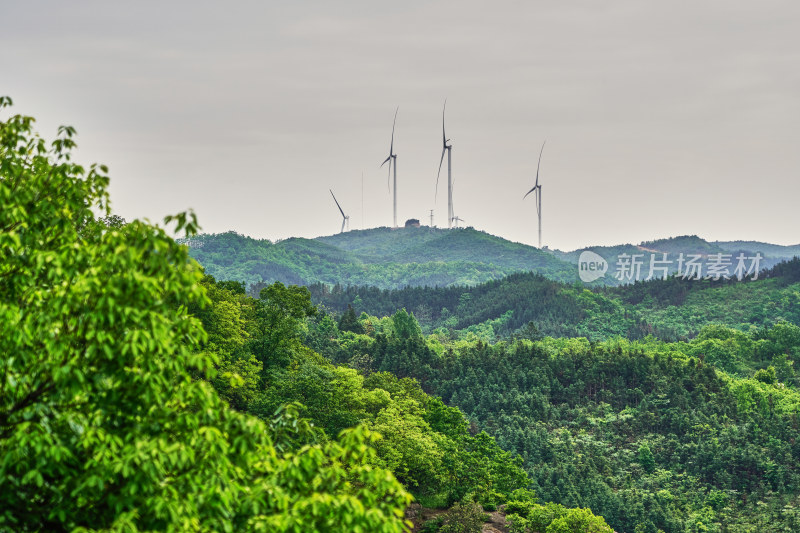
646, 458
579, 521
229, 319
101, 425
463, 517
517, 523
526, 516
405, 325
280, 317
424, 442
410, 448
766, 375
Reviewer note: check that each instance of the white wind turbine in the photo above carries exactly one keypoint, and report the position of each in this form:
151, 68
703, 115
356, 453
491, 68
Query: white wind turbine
345, 218
446, 148
392, 160
537, 190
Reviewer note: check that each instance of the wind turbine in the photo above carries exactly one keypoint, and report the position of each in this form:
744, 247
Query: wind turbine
392, 160
446, 148
537, 190
345, 218
457, 220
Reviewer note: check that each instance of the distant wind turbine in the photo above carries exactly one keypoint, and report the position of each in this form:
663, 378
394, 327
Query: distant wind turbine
446, 148
537, 190
456, 220
392, 160
345, 218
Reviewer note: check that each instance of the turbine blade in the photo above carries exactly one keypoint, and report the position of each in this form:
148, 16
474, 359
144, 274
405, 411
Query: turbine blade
539, 163
437, 175
444, 137
385, 160
337, 204
391, 146
530, 191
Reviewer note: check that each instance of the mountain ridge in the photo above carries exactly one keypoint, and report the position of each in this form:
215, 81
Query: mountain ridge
422, 256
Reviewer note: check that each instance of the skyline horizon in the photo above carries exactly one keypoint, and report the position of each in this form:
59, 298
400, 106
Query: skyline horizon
660, 119
544, 248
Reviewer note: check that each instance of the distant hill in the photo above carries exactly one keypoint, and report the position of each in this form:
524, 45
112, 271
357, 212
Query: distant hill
381, 257
422, 256
776, 251
771, 254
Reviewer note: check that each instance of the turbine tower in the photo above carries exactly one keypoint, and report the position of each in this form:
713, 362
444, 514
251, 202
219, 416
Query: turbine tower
446, 148
392, 160
537, 190
345, 218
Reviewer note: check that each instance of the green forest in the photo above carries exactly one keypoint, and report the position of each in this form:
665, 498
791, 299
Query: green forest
397, 258
138, 394
143, 390
529, 304
381, 257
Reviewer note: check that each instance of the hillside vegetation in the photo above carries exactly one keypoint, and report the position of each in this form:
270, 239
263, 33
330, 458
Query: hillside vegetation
138, 394
380, 257
529, 305
417, 257
653, 436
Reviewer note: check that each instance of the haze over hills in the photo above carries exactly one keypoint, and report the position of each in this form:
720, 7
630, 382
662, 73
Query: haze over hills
422, 256
379, 257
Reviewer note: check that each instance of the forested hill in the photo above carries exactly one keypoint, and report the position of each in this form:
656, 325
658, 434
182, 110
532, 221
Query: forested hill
529, 304
380, 257
416, 257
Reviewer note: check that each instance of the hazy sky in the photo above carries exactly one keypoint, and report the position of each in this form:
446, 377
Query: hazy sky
661, 118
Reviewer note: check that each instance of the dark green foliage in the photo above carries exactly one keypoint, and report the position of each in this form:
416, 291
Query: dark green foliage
433, 525
529, 305
349, 321
640, 433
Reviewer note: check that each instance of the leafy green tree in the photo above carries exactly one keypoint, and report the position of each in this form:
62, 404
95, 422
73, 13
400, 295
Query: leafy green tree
101, 425
579, 521
766, 375
646, 458
463, 517
405, 325
280, 320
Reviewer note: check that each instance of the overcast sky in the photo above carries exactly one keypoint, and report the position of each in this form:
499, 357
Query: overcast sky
661, 118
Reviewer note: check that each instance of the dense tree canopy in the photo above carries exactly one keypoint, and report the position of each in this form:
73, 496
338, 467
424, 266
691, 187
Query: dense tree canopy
101, 425
139, 393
